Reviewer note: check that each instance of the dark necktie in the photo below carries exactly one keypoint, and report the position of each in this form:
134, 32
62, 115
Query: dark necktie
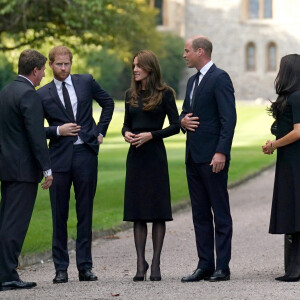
67, 100
196, 81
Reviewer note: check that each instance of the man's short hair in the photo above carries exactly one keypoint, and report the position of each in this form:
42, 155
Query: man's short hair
59, 50
204, 43
30, 59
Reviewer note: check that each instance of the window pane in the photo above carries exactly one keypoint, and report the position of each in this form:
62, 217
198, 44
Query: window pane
272, 58
268, 9
250, 57
253, 9
159, 5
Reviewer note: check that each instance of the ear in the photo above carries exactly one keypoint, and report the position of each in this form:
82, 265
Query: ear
34, 71
200, 51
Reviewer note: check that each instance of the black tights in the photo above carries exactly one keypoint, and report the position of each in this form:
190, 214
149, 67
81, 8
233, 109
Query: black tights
292, 253
140, 236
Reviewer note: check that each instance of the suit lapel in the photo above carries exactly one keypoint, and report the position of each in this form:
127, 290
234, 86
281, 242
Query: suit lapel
202, 83
54, 95
76, 85
205, 77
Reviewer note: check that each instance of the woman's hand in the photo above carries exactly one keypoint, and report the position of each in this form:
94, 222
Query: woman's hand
141, 138
129, 137
269, 147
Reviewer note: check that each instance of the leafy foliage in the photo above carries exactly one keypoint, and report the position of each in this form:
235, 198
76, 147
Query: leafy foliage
76, 22
171, 60
6, 71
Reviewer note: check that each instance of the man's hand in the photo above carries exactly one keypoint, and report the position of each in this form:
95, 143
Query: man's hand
129, 137
189, 122
141, 138
47, 183
100, 139
69, 129
218, 162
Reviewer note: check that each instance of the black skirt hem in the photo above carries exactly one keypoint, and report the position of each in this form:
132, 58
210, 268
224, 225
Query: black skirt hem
148, 220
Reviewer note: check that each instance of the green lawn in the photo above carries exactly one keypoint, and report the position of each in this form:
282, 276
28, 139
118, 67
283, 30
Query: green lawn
251, 132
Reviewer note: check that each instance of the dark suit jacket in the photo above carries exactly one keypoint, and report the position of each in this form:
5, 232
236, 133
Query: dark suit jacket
214, 104
23, 148
87, 89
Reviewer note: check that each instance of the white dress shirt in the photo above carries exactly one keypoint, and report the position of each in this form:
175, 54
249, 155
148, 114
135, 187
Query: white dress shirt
73, 99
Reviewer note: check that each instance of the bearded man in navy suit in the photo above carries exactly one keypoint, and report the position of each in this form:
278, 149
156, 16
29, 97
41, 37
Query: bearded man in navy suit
208, 118
74, 144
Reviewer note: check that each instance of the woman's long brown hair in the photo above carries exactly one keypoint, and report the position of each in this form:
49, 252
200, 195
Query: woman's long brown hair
147, 61
286, 82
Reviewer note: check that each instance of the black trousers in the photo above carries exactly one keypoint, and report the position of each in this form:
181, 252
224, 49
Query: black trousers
17, 202
83, 175
211, 214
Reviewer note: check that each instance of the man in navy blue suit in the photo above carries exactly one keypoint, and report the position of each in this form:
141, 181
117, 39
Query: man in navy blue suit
74, 144
208, 118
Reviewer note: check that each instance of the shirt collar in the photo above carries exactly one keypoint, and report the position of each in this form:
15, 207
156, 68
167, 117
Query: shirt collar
206, 67
26, 78
58, 83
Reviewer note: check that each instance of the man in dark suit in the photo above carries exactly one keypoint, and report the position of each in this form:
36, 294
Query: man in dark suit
208, 117
74, 144
23, 159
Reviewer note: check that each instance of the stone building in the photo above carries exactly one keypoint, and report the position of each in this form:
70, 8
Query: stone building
249, 37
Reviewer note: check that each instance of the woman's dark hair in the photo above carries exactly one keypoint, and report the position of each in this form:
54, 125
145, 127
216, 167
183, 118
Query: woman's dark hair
147, 61
287, 81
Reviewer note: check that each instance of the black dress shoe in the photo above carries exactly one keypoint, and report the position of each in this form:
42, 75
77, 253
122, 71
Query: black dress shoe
87, 275
15, 285
199, 274
287, 278
61, 277
219, 275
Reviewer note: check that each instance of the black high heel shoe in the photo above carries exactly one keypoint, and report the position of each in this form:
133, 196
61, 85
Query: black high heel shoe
144, 277
156, 277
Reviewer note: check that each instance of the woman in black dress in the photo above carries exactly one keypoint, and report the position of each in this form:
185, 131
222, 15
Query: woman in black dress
285, 214
147, 190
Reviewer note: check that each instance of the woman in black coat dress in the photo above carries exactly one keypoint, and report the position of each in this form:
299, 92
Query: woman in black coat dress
147, 190
285, 214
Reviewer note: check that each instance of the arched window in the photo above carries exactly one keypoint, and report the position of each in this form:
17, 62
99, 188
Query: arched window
271, 57
260, 9
250, 57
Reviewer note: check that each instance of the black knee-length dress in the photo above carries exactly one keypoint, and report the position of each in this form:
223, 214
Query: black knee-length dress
147, 188
285, 214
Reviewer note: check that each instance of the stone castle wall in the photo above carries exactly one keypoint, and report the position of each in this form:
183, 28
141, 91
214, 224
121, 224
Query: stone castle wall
227, 25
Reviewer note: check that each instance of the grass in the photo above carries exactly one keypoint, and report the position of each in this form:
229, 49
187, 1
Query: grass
253, 128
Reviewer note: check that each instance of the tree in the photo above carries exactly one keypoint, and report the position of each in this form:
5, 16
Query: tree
107, 23
6, 71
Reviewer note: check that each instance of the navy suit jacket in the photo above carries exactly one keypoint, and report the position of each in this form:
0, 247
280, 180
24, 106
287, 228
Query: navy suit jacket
23, 146
214, 104
87, 89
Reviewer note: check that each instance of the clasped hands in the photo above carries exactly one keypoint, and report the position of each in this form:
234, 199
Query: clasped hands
137, 140
72, 129
268, 147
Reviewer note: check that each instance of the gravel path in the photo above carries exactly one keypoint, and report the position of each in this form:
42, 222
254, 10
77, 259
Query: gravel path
256, 259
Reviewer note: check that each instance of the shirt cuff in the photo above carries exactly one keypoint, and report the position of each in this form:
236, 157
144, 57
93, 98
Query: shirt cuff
57, 131
47, 173
101, 134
